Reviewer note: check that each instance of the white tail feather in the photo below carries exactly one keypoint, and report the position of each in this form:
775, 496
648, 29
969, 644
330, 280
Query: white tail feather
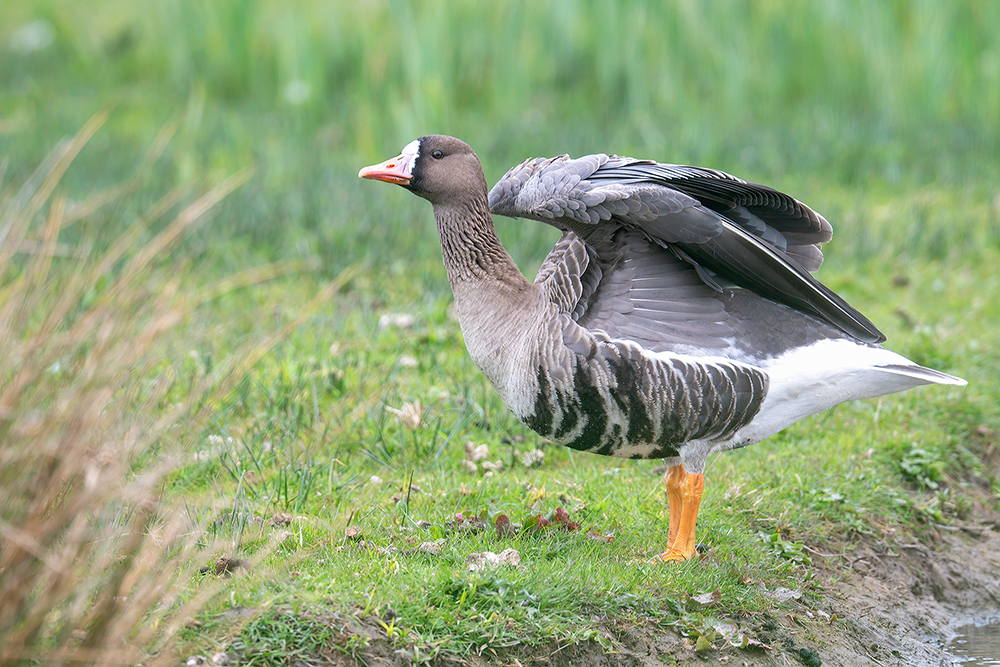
811, 379
926, 375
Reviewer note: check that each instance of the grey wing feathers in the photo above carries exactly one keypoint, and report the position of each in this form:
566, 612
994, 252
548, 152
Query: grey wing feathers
733, 232
653, 297
781, 221
632, 289
561, 189
749, 262
567, 276
726, 194
547, 190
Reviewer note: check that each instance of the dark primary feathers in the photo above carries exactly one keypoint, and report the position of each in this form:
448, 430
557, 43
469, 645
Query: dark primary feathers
728, 231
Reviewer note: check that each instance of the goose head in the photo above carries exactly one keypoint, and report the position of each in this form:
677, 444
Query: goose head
442, 169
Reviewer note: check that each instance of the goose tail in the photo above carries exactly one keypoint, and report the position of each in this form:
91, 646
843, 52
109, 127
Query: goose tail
923, 374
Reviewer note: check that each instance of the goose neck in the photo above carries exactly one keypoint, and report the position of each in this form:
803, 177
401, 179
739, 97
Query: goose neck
469, 244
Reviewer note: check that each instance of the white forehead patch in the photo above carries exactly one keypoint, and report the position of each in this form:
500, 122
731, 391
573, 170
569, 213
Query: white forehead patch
408, 157
412, 148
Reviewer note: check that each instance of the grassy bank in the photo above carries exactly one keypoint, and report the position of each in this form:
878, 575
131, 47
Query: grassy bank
293, 423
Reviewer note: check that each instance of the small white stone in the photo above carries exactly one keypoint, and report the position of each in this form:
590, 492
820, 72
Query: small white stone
481, 560
510, 557
534, 457
474, 453
493, 466
435, 548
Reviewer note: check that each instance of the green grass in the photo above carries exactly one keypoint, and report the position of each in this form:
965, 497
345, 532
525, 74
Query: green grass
881, 116
884, 470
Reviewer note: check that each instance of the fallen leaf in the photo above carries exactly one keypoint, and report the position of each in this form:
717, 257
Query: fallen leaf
226, 565
504, 528
595, 534
736, 637
536, 523
782, 594
410, 415
470, 523
757, 645
708, 599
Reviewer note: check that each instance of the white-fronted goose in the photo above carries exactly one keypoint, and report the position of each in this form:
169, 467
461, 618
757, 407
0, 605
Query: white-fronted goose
675, 317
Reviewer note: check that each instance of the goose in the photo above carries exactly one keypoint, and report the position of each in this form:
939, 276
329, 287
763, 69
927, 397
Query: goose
676, 316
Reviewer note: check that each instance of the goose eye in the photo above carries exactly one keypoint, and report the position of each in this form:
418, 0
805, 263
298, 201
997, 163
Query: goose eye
437, 155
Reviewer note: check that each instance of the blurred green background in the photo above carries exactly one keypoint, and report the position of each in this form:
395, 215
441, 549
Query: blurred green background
881, 115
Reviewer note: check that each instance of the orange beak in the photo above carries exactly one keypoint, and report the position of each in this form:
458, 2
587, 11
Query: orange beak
396, 170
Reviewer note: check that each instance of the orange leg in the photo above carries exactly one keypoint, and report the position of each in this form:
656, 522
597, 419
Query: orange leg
672, 482
684, 492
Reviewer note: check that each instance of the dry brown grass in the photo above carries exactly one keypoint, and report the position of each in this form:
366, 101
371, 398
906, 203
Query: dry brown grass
93, 564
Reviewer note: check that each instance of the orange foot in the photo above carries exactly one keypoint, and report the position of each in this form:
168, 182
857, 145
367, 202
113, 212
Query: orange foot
684, 492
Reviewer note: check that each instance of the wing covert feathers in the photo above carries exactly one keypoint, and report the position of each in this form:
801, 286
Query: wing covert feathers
732, 232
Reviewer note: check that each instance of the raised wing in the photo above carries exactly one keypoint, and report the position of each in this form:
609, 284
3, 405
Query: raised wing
784, 222
733, 233
630, 288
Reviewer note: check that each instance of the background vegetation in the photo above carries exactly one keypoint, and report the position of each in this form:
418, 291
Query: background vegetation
880, 115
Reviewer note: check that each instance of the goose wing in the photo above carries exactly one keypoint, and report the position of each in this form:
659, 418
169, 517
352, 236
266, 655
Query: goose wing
730, 231
621, 283
599, 390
